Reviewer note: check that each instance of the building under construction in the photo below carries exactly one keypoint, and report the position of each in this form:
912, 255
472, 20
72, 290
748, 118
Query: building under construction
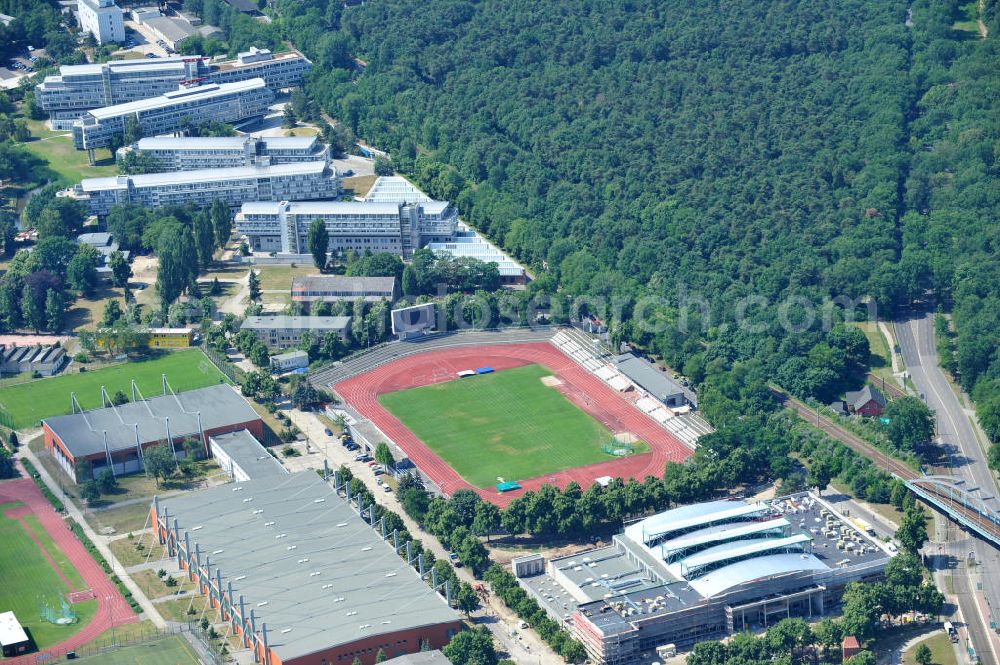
702, 572
302, 573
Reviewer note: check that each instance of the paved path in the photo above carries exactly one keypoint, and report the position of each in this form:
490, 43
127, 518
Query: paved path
101, 542
112, 608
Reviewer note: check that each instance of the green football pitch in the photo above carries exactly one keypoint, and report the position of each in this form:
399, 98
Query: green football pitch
173, 650
29, 580
27, 403
508, 425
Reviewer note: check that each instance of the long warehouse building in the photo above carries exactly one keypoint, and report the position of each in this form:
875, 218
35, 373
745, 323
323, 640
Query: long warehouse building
297, 181
190, 153
299, 576
702, 572
173, 111
80, 88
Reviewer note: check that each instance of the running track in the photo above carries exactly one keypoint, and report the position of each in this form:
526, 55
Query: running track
579, 385
25, 491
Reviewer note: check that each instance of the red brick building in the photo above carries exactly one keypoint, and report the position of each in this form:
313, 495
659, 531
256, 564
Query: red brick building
868, 402
114, 437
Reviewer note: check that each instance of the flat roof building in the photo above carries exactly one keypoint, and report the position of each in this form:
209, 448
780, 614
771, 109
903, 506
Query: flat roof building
243, 458
191, 153
392, 227
299, 575
13, 639
282, 332
114, 437
234, 186
173, 111
80, 88
338, 288
103, 19
650, 379
701, 572
284, 362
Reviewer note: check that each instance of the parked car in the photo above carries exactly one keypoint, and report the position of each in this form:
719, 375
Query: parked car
327, 431
378, 481
378, 471
454, 560
386, 488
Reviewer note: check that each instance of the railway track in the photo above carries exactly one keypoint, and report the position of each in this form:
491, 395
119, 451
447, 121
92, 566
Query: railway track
951, 501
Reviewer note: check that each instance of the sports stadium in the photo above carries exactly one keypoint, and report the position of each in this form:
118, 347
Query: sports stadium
503, 411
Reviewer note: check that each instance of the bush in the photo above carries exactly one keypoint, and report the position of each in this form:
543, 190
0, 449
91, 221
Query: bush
81, 357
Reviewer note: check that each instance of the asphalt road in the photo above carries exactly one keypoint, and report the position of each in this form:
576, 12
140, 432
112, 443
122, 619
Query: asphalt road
915, 336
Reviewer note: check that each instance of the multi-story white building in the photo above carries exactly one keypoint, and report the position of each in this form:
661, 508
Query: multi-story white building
225, 102
103, 19
359, 225
283, 182
188, 153
80, 88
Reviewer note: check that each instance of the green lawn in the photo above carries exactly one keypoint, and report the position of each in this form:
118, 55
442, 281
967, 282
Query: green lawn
942, 653
172, 650
507, 424
67, 162
27, 403
29, 579
279, 277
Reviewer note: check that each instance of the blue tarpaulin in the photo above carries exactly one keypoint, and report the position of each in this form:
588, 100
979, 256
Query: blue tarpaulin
508, 486
483, 370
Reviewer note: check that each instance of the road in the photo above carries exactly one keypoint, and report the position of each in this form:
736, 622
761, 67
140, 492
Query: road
527, 647
956, 434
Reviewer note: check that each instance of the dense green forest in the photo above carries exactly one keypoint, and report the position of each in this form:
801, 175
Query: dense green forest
701, 153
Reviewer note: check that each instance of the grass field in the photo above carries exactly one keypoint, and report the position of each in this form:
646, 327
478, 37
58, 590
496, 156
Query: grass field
279, 277
67, 162
172, 650
942, 652
28, 578
507, 424
27, 403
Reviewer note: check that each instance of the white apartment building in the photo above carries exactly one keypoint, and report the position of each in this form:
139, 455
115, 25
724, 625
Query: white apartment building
236, 186
80, 88
188, 153
170, 112
359, 225
103, 19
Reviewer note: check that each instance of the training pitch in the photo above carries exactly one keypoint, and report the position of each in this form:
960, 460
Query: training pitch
173, 650
508, 425
36, 572
27, 403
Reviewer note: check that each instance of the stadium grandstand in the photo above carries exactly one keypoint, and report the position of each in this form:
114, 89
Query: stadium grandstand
703, 571
299, 574
86, 443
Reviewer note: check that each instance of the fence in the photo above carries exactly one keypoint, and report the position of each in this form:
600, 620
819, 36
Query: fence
207, 652
234, 373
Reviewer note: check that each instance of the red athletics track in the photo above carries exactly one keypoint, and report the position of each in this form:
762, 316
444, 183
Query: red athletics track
25, 491
579, 385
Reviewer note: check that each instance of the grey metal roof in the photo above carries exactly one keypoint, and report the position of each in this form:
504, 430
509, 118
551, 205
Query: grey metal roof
285, 322
95, 239
685, 517
434, 657
191, 142
247, 453
83, 433
750, 570
202, 175
343, 283
190, 94
648, 377
311, 569
173, 29
291, 355
859, 398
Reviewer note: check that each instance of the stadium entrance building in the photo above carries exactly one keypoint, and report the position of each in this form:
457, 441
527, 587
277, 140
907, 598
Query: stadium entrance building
114, 437
701, 572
